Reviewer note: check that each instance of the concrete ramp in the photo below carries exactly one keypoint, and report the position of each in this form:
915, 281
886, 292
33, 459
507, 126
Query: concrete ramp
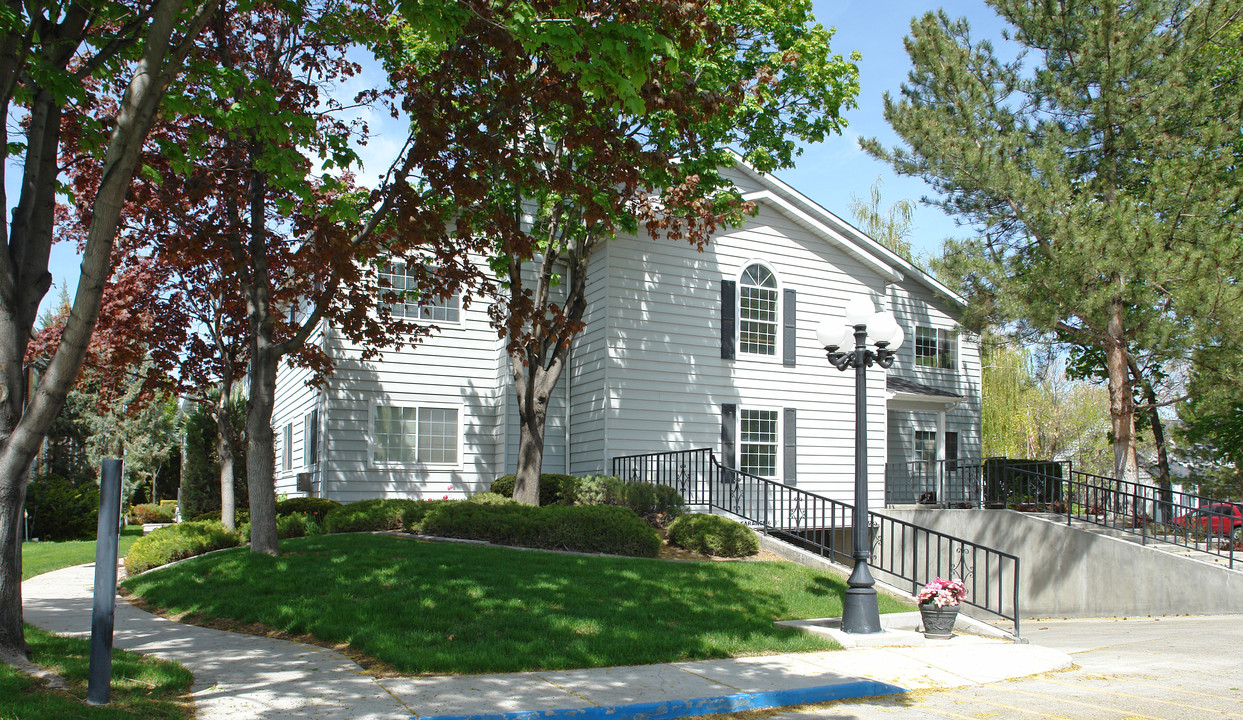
1073, 572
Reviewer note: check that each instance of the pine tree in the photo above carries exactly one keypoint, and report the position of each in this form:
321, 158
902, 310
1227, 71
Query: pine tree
1091, 167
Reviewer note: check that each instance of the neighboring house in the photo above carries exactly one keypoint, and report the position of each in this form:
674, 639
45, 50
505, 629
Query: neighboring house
682, 349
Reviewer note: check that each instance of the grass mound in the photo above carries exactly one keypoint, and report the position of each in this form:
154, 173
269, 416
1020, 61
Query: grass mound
425, 607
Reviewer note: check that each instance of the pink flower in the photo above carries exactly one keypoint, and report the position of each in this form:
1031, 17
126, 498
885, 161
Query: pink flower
942, 593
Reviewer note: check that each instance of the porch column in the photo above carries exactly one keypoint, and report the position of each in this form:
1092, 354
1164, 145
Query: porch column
942, 485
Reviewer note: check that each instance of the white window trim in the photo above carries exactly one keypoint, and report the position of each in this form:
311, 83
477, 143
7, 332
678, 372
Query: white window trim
460, 324
779, 338
287, 447
309, 463
371, 437
955, 335
779, 464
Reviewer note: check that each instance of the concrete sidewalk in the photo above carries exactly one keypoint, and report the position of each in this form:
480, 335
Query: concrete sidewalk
243, 676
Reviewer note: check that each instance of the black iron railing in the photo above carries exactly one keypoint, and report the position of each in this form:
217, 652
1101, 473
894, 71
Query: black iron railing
947, 483
902, 552
1196, 522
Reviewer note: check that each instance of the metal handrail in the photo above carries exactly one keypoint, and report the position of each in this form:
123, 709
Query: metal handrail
903, 550
1136, 509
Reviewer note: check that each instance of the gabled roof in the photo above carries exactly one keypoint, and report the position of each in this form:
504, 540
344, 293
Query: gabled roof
891, 266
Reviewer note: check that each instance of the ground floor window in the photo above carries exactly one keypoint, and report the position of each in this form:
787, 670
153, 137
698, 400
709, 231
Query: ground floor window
926, 449
758, 442
416, 434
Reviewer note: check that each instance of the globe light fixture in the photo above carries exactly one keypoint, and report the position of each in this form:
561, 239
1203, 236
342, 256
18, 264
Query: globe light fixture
860, 325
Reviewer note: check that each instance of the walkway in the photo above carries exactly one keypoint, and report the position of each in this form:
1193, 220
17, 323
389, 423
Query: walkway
1167, 668
241, 676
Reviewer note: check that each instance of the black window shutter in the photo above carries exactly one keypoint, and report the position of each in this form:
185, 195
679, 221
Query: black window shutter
729, 425
788, 316
790, 446
729, 309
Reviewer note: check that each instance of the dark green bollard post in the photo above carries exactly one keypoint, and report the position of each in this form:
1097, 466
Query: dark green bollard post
103, 610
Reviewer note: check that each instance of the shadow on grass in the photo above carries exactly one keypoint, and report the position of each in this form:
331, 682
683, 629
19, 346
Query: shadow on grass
425, 607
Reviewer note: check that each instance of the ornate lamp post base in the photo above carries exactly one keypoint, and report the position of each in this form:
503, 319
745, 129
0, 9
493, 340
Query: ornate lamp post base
860, 609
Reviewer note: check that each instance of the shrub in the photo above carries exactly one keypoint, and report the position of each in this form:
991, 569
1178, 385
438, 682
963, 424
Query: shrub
490, 498
61, 509
599, 528
658, 504
412, 516
553, 488
176, 542
240, 515
317, 508
367, 515
150, 513
713, 535
288, 526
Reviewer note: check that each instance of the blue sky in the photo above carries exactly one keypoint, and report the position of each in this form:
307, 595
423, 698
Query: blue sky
828, 173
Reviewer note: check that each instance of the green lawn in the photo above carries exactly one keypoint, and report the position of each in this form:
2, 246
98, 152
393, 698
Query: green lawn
423, 607
142, 687
41, 557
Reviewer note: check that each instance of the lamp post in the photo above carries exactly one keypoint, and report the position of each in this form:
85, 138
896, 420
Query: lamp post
860, 612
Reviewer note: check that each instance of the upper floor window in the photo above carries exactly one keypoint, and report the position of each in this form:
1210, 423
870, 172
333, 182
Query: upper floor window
447, 309
935, 347
757, 311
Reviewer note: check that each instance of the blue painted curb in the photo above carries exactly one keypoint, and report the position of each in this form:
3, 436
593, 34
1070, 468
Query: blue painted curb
669, 709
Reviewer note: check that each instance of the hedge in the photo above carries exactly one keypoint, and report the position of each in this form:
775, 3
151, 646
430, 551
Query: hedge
152, 513
553, 488
596, 528
368, 515
293, 525
317, 508
176, 542
713, 535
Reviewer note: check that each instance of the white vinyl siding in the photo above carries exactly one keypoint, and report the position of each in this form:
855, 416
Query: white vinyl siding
666, 379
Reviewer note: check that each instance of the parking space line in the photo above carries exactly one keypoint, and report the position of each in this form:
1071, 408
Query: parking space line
1150, 699
1129, 715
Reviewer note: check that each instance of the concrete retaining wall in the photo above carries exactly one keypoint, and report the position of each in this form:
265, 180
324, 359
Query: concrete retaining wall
1066, 572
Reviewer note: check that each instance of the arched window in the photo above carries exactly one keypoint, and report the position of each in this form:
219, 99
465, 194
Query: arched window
758, 314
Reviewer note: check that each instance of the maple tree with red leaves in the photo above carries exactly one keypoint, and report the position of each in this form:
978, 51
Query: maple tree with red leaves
51, 58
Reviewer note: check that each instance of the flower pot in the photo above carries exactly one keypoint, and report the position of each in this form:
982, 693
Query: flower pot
938, 621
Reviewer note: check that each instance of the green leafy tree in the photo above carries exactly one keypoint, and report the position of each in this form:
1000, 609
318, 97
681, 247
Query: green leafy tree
59, 60
890, 227
1092, 167
1031, 409
587, 147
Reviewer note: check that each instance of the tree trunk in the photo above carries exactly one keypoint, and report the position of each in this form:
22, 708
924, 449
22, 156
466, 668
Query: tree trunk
534, 386
224, 450
260, 452
1121, 400
228, 503
12, 498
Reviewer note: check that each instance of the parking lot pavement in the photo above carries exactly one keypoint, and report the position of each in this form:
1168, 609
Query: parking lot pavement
1168, 668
